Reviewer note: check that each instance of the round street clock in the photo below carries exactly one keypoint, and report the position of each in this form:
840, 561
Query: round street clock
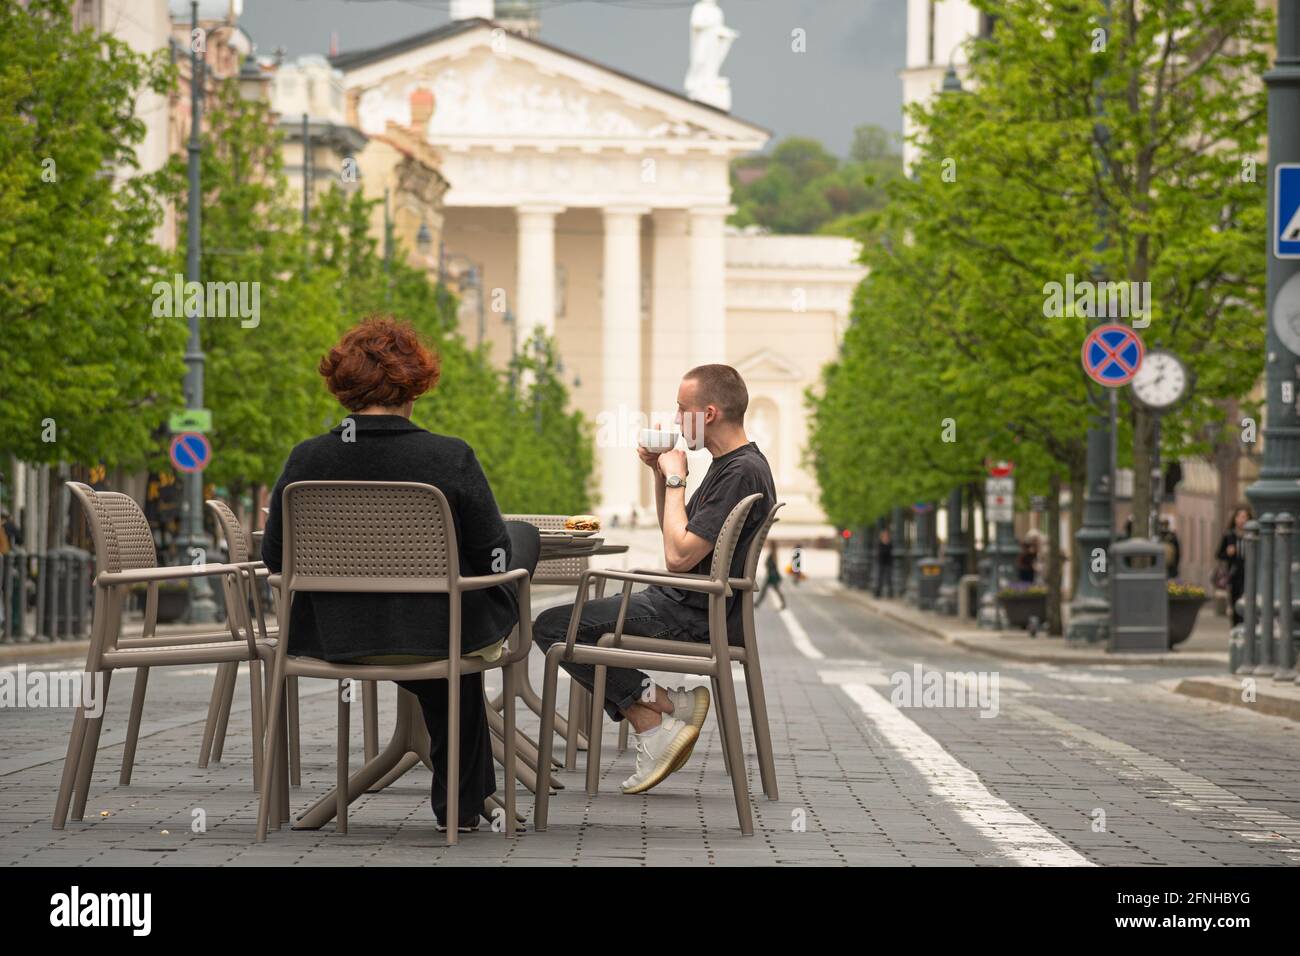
1162, 381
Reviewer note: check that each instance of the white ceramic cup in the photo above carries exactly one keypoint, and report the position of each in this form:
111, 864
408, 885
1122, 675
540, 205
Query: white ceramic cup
657, 440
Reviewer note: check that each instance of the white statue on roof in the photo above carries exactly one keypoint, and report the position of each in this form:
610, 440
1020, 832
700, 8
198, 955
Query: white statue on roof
711, 40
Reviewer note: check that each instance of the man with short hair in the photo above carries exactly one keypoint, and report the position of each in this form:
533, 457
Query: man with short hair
711, 403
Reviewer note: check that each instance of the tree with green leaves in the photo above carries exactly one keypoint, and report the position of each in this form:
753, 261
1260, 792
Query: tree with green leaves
86, 370
1112, 156
802, 188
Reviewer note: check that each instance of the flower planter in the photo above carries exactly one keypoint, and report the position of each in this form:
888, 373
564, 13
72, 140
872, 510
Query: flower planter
1021, 607
173, 603
1182, 617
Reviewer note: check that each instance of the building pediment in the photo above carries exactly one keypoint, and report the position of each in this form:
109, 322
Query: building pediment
489, 85
767, 366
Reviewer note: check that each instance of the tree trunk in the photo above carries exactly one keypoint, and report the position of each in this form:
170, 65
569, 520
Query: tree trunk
1054, 626
972, 562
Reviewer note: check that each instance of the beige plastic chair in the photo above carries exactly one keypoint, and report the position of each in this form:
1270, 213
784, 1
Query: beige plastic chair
124, 556
391, 538
746, 655
714, 660
223, 690
567, 571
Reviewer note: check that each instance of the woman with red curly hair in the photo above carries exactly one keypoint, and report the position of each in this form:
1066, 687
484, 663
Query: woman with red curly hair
377, 371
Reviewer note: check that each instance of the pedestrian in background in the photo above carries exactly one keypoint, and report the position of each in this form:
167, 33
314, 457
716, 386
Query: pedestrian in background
796, 564
884, 563
773, 578
1173, 549
1231, 574
1026, 560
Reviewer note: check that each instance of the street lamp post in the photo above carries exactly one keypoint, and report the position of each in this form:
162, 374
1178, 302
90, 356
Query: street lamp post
1090, 607
195, 544
1278, 487
954, 553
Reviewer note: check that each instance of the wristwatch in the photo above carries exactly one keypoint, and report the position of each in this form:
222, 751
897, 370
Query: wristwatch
676, 481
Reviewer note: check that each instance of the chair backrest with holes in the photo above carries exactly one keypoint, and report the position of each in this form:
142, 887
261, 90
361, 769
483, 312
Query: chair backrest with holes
756, 546
377, 536
232, 530
553, 570
121, 533
729, 535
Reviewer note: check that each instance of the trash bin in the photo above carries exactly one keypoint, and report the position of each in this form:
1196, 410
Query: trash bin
928, 583
1139, 597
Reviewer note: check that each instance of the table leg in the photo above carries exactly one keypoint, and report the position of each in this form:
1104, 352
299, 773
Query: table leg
405, 740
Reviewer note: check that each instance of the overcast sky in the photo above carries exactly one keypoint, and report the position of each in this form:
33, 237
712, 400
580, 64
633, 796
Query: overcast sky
848, 76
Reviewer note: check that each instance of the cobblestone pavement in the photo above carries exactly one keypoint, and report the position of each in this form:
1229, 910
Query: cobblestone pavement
1063, 765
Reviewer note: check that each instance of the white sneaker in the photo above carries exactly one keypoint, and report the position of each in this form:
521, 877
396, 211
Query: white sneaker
691, 705
660, 753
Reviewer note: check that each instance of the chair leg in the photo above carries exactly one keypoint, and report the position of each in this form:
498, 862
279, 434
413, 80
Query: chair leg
453, 758
272, 763
722, 730
594, 730
508, 677
576, 712
223, 715
731, 721
75, 738
546, 738
295, 741
282, 806
762, 731
214, 709
133, 726
622, 736
341, 786
370, 718
259, 720
89, 749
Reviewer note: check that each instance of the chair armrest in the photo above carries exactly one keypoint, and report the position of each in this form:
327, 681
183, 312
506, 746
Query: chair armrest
743, 584
519, 577
740, 584
145, 575
687, 582
482, 581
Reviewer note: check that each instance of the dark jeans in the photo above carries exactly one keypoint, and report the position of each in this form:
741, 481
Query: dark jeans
884, 578
1236, 588
623, 686
478, 776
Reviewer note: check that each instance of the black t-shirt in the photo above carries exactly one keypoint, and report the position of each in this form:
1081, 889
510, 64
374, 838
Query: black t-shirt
738, 474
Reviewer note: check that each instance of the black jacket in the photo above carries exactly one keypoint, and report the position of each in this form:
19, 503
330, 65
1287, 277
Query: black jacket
1237, 561
390, 448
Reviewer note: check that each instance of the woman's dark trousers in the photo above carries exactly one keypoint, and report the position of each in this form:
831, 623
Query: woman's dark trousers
478, 777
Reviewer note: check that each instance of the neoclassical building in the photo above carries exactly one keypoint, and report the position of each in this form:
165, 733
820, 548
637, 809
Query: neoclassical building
592, 205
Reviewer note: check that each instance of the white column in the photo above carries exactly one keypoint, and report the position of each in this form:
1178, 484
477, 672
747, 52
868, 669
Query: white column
670, 309
621, 358
708, 285
535, 286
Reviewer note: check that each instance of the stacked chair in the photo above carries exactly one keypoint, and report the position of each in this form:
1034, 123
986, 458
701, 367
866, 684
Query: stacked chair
125, 556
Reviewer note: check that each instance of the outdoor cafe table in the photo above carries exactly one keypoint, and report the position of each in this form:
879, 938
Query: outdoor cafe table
409, 744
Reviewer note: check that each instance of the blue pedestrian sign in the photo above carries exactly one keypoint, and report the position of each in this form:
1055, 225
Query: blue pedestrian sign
1112, 354
1286, 211
191, 452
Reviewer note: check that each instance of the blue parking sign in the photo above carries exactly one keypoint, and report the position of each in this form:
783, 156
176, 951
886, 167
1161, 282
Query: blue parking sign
1286, 211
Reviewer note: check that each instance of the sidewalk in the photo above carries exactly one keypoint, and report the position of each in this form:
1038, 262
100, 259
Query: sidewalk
1201, 650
